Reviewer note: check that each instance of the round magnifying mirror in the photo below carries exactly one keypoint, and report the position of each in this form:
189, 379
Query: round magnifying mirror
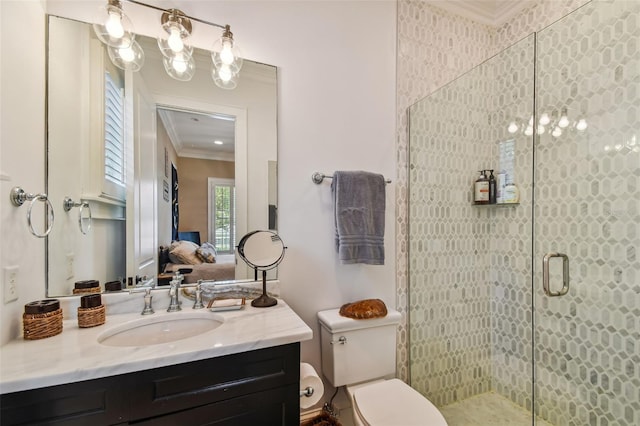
262, 250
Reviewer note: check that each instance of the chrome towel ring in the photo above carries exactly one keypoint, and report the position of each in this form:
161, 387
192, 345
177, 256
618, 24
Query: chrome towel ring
69, 204
18, 197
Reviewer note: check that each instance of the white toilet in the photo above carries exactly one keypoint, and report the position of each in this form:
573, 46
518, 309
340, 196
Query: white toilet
361, 354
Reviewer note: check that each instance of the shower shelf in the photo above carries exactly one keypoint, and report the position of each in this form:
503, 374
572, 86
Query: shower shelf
496, 205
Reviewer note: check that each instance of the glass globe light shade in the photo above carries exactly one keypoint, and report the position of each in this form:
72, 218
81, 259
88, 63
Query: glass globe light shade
563, 122
225, 51
181, 67
112, 26
224, 78
174, 40
557, 132
581, 125
129, 57
545, 119
513, 127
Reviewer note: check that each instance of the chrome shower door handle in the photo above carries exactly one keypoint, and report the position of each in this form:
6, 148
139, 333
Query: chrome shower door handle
565, 274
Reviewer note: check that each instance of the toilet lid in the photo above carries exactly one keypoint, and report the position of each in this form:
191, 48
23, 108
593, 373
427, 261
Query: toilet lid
393, 402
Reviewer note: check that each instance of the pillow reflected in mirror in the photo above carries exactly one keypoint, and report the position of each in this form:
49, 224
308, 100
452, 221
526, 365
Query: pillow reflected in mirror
184, 252
207, 253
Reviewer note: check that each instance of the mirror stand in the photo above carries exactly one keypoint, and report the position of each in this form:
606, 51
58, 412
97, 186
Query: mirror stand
264, 301
262, 250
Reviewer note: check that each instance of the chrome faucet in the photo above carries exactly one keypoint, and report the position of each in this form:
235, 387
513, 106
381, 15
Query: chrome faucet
145, 286
198, 302
174, 292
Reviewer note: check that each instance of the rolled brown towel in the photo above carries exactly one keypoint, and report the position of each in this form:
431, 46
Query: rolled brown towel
364, 309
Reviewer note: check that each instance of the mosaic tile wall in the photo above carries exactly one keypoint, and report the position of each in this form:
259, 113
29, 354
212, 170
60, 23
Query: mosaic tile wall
434, 47
591, 360
430, 42
512, 76
588, 206
450, 323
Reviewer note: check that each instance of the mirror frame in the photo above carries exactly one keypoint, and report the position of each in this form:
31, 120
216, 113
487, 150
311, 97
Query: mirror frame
169, 102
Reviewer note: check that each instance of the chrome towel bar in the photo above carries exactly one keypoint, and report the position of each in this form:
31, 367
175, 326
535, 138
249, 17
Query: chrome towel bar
318, 177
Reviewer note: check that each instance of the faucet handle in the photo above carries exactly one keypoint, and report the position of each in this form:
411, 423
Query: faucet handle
174, 292
177, 276
198, 303
148, 299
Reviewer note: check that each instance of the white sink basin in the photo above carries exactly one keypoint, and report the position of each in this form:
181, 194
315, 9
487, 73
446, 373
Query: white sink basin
157, 329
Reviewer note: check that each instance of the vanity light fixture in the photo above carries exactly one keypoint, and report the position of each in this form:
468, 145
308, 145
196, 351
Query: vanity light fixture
174, 38
556, 123
224, 78
181, 67
113, 28
130, 57
227, 60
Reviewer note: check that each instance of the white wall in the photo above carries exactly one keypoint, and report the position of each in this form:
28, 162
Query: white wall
336, 112
22, 79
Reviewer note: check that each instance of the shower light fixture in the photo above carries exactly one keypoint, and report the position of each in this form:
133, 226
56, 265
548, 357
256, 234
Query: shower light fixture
115, 30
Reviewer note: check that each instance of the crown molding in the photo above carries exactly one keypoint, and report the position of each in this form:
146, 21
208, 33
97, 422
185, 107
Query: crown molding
494, 13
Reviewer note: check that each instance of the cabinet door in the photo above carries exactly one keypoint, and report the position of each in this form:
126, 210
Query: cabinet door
279, 406
97, 402
180, 387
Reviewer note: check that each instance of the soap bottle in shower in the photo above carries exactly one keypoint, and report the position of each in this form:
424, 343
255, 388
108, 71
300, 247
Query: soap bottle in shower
481, 189
492, 188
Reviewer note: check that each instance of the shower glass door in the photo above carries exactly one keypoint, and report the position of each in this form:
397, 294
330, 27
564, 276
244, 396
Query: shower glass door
587, 207
470, 293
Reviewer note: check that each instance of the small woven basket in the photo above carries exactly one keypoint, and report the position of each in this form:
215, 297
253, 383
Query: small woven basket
89, 290
86, 287
40, 326
322, 419
91, 317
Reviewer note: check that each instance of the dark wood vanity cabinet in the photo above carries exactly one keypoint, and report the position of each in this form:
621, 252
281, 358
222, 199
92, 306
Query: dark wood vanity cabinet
250, 388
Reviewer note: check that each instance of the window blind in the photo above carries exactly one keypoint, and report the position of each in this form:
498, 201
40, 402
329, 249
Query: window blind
114, 167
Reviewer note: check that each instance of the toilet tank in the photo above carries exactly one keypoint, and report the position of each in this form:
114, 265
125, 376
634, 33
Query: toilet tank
357, 350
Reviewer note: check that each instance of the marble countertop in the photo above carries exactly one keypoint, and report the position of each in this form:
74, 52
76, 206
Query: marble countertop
75, 354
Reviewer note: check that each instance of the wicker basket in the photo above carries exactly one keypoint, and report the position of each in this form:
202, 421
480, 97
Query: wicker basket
91, 317
86, 287
322, 419
40, 326
89, 290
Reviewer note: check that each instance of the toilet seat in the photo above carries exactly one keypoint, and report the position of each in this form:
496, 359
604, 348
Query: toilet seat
393, 402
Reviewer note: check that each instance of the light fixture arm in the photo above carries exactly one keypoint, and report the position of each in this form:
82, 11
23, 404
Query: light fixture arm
176, 15
182, 15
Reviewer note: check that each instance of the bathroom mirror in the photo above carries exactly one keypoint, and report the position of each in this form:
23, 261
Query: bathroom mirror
194, 162
262, 251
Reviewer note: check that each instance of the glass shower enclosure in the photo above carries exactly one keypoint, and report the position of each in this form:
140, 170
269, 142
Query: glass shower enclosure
529, 312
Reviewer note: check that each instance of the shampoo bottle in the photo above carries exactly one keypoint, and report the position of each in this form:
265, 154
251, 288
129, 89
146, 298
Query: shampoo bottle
492, 188
501, 181
481, 189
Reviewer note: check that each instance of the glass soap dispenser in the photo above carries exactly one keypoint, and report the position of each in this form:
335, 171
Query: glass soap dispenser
481, 189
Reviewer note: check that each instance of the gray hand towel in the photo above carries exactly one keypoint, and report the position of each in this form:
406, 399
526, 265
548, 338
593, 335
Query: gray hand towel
359, 207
